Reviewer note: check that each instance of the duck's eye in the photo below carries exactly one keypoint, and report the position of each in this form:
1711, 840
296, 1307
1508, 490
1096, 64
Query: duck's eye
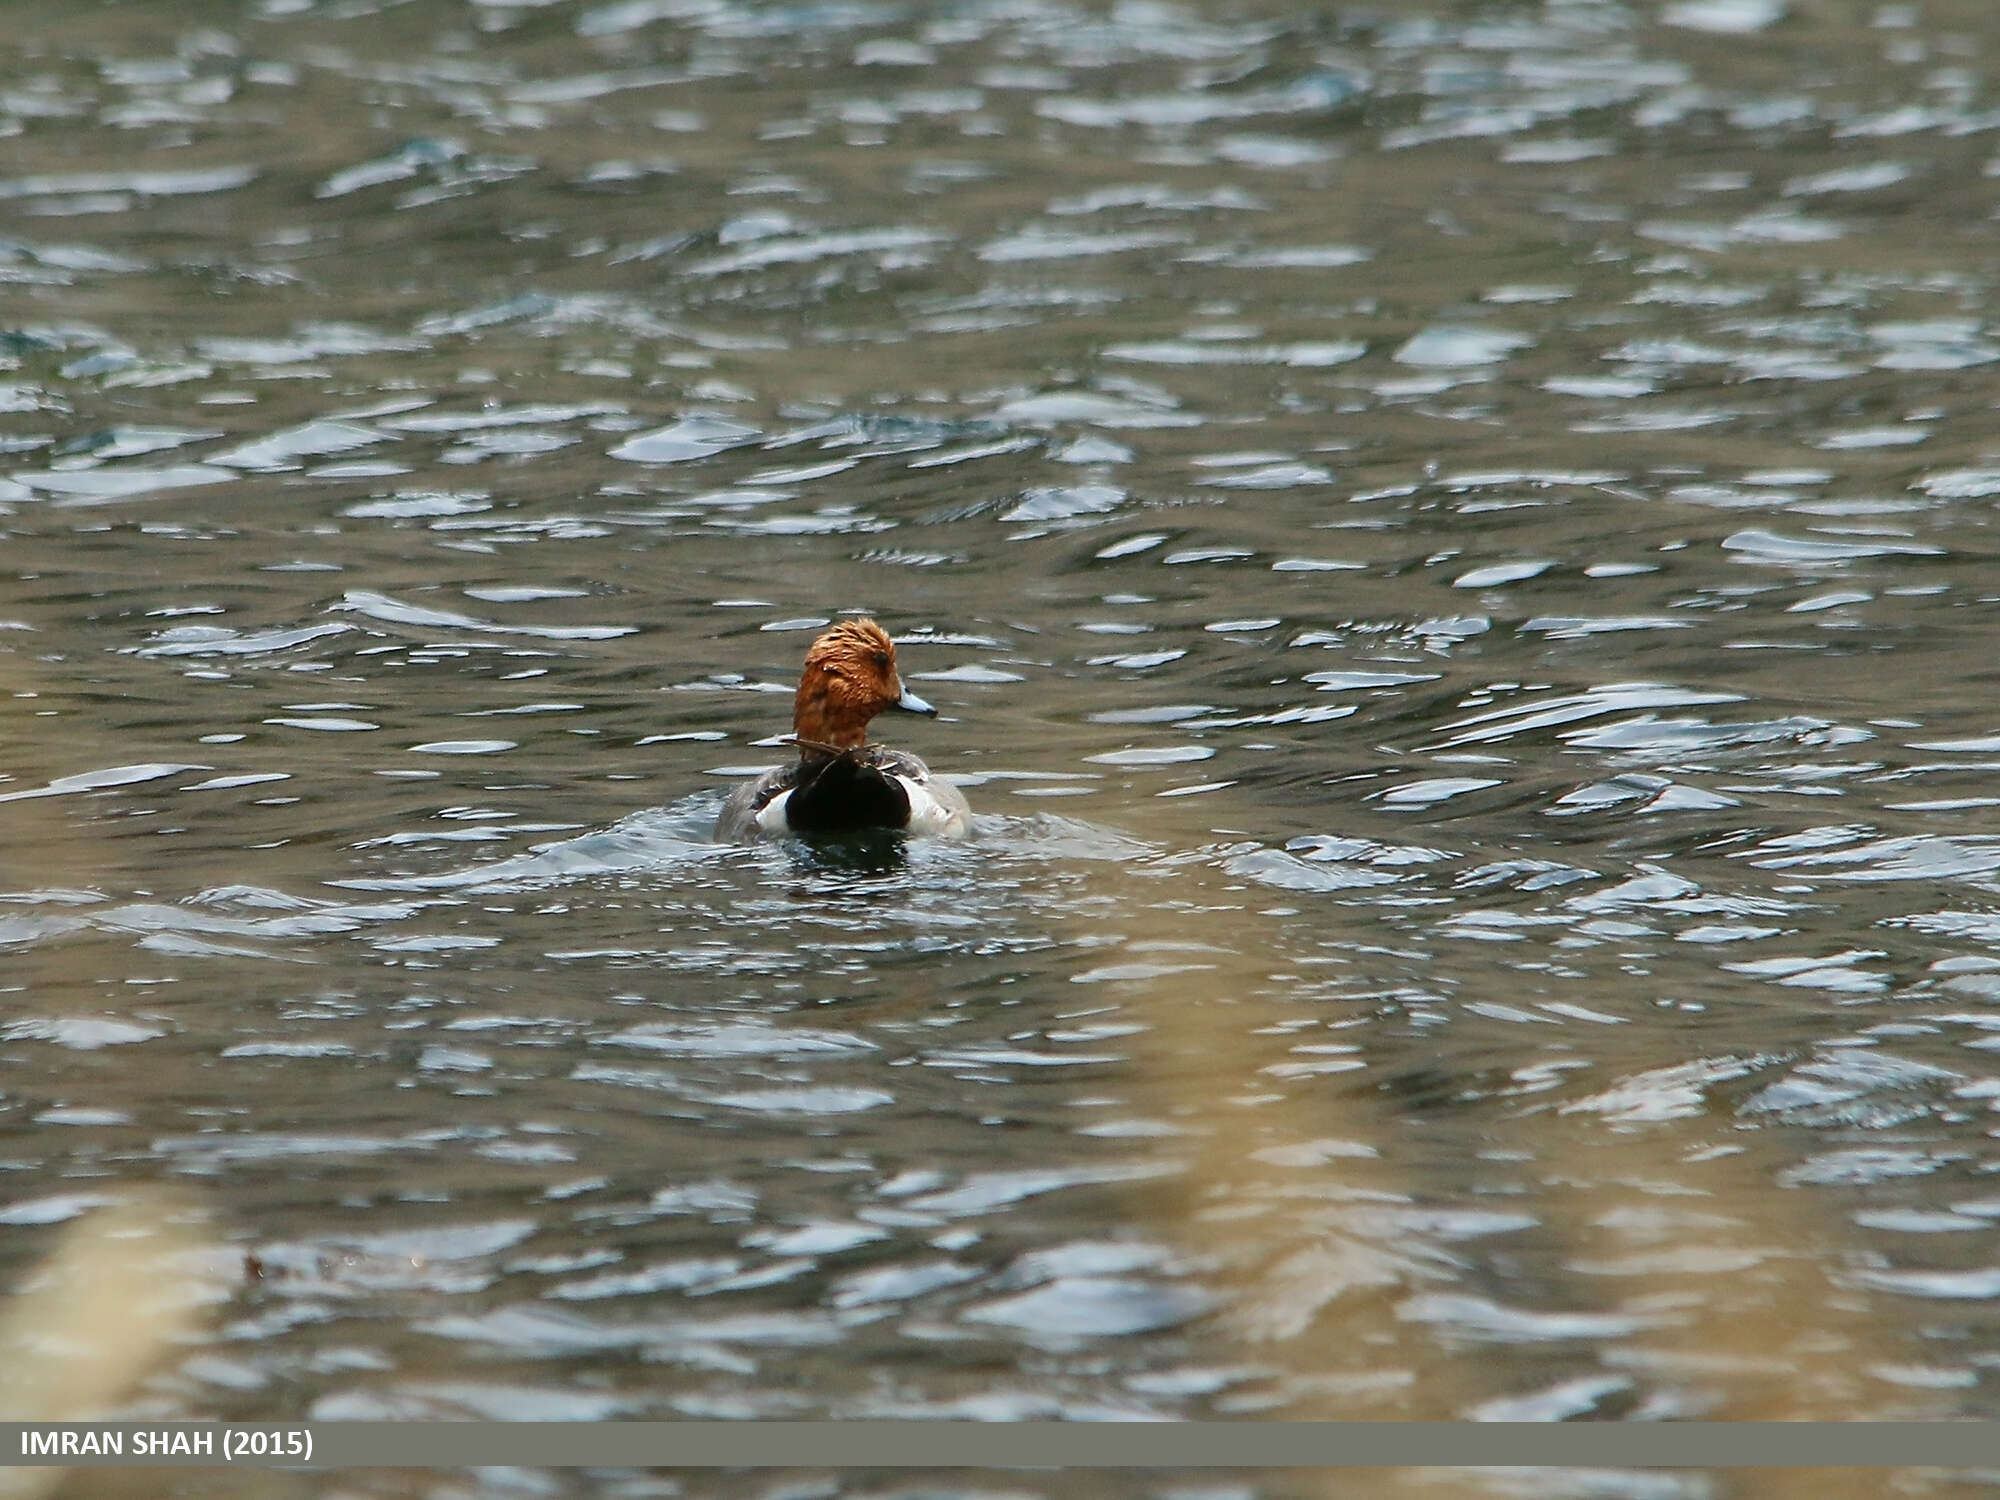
882, 660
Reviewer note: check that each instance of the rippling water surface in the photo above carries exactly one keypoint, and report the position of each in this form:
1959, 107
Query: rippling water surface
1454, 547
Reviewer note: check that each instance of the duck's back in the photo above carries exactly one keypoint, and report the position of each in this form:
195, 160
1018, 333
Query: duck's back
870, 786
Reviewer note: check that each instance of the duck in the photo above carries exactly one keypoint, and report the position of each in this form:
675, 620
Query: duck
840, 783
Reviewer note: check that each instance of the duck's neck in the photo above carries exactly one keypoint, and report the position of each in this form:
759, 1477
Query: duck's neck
818, 719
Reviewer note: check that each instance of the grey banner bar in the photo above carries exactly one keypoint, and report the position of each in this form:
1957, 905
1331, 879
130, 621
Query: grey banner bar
958, 1445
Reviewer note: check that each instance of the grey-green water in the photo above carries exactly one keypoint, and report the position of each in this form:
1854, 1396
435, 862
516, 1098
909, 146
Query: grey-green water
1454, 544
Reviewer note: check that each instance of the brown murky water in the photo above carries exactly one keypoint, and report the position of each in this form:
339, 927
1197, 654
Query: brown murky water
1454, 545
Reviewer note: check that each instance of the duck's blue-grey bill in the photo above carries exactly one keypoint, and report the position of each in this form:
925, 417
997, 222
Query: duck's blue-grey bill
910, 703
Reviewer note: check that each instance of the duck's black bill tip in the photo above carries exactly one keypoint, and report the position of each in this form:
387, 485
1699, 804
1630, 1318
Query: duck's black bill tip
910, 703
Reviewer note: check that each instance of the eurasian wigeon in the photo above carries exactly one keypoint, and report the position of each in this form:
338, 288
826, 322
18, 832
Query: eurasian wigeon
841, 783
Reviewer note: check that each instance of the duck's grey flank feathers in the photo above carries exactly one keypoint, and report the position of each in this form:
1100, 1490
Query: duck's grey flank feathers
742, 814
936, 806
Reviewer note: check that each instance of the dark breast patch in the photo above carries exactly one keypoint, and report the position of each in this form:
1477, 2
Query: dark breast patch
841, 792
